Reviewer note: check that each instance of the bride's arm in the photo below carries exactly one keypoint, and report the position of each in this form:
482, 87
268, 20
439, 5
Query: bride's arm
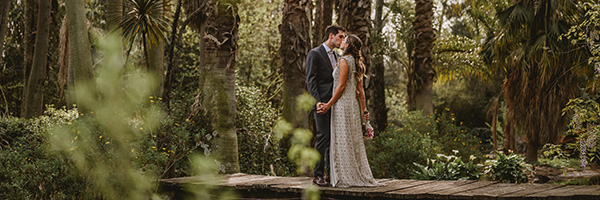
341, 86
361, 98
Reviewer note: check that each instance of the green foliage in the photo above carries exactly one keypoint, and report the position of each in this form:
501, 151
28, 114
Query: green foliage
259, 41
259, 148
393, 151
28, 168
584, 124
448, 168
453, 136
507, 168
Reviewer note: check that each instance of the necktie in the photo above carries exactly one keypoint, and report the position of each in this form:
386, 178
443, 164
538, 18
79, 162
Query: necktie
331, 58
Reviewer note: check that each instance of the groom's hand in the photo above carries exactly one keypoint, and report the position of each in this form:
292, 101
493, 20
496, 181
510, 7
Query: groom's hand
320, 107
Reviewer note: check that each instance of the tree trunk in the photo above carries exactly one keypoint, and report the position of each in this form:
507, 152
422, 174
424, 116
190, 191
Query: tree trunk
377, 105
322, 19
295, 44
4, 10
531, 155
219, 87
355, 16
34, 98
156, 61
28, 42
421, 73
80, 58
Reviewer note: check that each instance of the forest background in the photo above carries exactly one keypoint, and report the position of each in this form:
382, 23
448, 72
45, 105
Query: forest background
147, 88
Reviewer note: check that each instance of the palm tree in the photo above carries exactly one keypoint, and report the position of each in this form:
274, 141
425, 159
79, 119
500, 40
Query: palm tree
421, 72
539, 67
218, 23
33, 104
295, 44
144, 21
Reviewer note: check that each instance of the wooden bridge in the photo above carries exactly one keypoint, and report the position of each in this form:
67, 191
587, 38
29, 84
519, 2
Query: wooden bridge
275, 187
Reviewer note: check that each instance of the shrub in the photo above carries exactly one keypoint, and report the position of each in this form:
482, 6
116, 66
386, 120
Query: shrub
448, 168
453, 136
584, 124
393, 151
260, 152
28, 168
507, 168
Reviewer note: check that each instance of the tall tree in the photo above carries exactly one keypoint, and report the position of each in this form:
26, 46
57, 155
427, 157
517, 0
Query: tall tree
295, 44
322, 19
421, 72
30, 12
377, 89
34, 100
4, 10
539, 77
80, 56
221, 36
156, 48
145, 20
355, 16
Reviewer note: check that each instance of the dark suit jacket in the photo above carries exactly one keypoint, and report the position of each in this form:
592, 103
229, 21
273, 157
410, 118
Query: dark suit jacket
319, 79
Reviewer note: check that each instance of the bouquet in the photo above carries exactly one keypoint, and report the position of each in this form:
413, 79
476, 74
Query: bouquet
369, 130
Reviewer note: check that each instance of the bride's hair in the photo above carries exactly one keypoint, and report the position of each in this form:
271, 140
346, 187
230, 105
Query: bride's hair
354, 46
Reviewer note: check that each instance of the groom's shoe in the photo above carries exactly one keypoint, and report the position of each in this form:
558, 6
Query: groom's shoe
327, 179
320, 181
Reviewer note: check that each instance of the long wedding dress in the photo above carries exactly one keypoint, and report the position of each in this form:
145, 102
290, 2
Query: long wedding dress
349, 164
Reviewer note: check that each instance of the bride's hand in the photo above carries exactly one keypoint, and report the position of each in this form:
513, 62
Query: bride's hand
365, 116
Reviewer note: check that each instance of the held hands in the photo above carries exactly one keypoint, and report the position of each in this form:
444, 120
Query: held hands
322, 108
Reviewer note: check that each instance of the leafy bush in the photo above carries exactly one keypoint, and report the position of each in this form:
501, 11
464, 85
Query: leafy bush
584, 124
260, 152
507, 168
448, 168
453, 136
393, 151
28, 168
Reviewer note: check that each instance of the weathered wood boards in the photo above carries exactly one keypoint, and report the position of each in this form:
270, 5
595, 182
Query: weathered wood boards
400, 189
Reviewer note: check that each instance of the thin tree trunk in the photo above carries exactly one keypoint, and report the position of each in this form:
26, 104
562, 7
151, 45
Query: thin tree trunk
322, 19
5, 6
421, 72
34, 98
156, 61
377, 105
28, 43
170, 55
219, 87
80, 59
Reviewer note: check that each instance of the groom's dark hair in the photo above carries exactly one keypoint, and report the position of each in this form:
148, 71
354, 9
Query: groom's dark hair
333, 29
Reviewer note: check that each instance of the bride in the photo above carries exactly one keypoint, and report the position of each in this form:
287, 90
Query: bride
349, 164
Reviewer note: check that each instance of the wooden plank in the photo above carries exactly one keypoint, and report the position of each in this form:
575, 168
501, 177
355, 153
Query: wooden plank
562, 193
488, 192
587, 192
398, 189
447, 193
372, 191
423, 191
528, 189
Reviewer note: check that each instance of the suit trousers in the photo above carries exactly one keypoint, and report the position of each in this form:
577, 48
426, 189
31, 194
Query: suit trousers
323, 135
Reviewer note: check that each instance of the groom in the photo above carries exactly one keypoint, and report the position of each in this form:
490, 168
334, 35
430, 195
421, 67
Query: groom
320, 63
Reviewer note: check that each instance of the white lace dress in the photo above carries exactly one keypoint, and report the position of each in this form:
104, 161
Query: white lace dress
349, 164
